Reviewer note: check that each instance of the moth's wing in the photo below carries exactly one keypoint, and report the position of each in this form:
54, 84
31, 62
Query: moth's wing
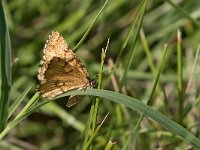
62, 76
55, 47
60, 70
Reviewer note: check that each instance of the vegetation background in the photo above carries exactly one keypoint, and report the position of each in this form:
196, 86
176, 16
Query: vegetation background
139, 60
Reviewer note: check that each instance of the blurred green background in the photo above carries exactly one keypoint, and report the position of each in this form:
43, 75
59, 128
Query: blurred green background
31, 21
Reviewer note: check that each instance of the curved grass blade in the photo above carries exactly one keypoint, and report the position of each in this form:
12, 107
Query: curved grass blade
130, 102
135, 104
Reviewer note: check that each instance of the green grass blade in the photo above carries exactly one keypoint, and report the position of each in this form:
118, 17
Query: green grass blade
150, 100
180, 76
110, 145
18, 101
147, 51
5, 70
128, 102
95, 105
90, 27
75, 17
94, 134
184, 13
137, 26
100, 78
124, 44
23, 114
136, 105
188, 88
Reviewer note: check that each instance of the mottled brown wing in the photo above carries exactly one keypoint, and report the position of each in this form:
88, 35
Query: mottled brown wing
60, 70
61, 77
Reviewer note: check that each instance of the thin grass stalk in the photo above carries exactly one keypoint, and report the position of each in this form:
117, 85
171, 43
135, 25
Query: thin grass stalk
110, 145
147, 51
90, 27
94, 134
103, 56
137, 26
194, 103
150, 59
95, 104
180, 77
193, 69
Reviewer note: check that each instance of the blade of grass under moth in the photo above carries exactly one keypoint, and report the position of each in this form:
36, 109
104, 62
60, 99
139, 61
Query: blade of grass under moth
147, 110
130, 102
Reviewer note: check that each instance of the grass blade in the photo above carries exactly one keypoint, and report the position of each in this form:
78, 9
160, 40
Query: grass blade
95, 105
150, 100
17, 102
137, 26
23, 114
180, 76
5, 74
90, 27
184, 13
137, 105
124, 44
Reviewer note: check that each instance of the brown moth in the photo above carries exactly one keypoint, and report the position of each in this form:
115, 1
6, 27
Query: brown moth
60, 70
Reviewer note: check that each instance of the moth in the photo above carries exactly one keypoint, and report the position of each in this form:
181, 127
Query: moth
60, 70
